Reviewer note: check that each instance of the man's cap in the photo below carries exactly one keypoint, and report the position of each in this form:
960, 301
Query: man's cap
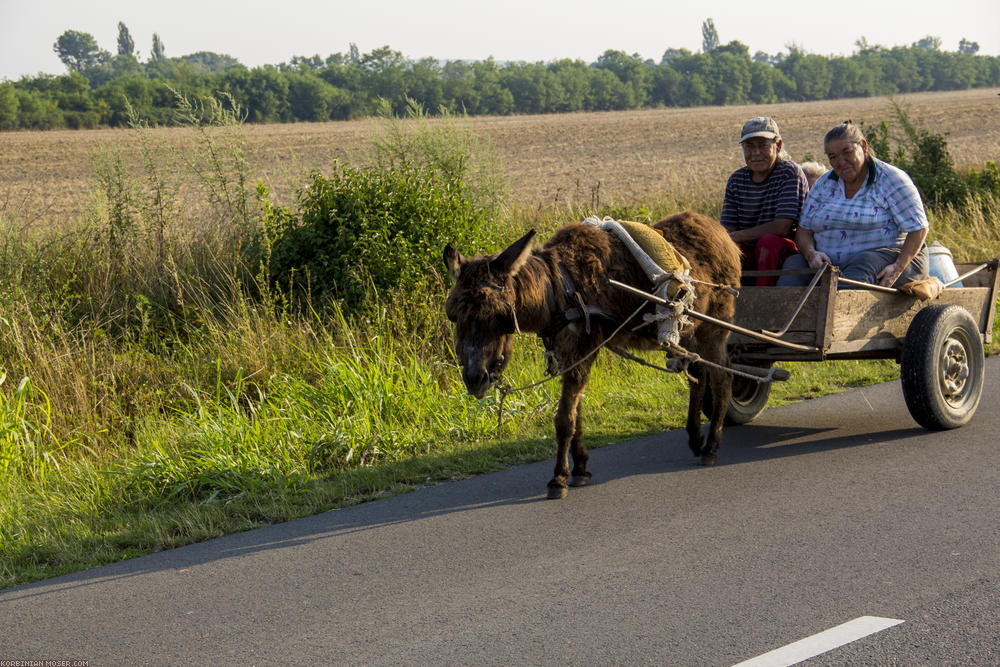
762, 126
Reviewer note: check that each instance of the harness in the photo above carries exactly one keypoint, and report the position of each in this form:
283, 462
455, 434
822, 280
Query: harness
574, 311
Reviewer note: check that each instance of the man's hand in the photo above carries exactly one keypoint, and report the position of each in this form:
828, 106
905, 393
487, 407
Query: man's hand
818, 259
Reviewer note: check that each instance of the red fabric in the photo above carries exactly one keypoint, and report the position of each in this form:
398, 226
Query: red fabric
767, 254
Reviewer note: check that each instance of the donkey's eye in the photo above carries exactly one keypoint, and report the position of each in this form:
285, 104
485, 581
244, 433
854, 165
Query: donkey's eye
503, 324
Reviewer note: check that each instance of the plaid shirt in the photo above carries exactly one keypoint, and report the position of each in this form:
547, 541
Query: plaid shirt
880, 214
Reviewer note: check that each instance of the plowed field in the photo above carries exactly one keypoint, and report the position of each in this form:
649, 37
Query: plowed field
625, 157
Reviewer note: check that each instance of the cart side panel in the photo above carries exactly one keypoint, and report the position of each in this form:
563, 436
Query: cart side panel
768, 308
989, 278
866, 321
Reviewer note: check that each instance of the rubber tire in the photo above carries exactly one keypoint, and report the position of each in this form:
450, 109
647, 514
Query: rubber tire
748, 401
942, 367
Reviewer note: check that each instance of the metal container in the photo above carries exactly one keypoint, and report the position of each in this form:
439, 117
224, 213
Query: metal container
941, 263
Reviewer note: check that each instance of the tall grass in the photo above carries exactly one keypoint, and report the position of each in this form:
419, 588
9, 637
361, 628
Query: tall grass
970, 230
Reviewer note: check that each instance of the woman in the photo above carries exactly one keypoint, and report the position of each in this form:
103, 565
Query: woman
864, 216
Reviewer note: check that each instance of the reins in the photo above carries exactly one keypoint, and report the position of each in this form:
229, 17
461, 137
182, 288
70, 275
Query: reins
683, 356
505, 390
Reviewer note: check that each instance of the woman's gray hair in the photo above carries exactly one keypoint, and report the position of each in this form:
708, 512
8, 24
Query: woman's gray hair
848, 131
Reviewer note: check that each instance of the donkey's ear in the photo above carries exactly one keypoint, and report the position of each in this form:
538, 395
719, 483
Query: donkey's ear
510, 261
453, 261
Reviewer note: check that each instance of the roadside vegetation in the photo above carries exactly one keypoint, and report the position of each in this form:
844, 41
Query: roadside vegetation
191, 359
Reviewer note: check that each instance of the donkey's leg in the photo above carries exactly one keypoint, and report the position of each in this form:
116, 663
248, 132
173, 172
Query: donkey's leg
578, 449
720, 383
567, 429
697, 386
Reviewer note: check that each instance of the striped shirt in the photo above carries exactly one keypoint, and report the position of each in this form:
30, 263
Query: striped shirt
879, 215
780, 195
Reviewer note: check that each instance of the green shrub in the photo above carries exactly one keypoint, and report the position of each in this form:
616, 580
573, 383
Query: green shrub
366, 234
924, 155
369, 230
986, 181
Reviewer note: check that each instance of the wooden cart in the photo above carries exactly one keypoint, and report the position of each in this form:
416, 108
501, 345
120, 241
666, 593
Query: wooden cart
938, 343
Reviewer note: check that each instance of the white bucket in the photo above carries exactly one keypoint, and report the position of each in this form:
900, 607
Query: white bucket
941, 264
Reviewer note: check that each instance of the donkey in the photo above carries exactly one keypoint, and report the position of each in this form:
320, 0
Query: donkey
562, 293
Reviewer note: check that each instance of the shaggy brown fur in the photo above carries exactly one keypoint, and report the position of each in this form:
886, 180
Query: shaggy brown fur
518, 288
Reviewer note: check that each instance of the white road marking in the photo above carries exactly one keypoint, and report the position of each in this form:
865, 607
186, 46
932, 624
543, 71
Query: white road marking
821, 642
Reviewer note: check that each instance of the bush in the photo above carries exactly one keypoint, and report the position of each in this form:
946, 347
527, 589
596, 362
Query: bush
986, 181
924, 156
365, 230
380, 229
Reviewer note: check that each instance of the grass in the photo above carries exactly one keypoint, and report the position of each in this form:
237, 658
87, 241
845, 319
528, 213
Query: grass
155, 392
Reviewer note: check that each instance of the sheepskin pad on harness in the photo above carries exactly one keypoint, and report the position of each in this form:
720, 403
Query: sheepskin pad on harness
669, 270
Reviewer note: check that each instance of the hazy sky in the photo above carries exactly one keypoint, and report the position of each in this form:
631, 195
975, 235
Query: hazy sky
256, 32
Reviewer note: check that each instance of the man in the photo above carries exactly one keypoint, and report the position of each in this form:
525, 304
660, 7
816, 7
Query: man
764, 199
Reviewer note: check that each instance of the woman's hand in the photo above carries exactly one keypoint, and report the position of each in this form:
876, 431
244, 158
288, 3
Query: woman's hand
887, 276
911, 246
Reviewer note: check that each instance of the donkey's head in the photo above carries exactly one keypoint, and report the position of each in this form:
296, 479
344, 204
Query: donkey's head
483, 306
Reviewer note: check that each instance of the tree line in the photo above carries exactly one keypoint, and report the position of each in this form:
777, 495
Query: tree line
104, 89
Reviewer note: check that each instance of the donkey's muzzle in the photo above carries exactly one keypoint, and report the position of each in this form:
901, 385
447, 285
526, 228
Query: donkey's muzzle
477, 382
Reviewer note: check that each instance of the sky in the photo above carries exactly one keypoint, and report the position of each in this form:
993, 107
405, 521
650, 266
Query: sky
259, 32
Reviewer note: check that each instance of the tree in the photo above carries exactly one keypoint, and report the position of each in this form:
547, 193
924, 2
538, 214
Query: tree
811, 74
928, 43
9, 107
493, 98
158, 50
208, 61
126, 45
851, 78
309, 96
709, 36
631, 71
458, 81
423, 83
762, 78
672, 54
968, 48
79, 50
384, 76
573, 78
607, 92
731, 78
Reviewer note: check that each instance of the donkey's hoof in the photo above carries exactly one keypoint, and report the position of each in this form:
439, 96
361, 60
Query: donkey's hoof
557, 492
580, 480
709, 459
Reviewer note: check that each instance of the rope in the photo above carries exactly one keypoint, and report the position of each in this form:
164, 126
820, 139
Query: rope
686, 358
657, 275
682, 356
505, 390
695, 358
729, 288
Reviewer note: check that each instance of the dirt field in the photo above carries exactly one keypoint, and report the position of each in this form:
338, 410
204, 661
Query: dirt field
623, 157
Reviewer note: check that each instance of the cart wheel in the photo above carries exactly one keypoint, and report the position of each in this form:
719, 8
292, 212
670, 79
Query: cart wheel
749, 400
941, 368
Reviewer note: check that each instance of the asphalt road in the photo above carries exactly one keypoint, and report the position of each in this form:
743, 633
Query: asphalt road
819, 513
